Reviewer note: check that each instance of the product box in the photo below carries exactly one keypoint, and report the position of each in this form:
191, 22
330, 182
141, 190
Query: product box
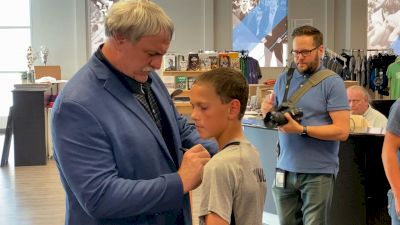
181, 63
181, 82
191, 81
205, 63
224, 60
214, 60
234, 60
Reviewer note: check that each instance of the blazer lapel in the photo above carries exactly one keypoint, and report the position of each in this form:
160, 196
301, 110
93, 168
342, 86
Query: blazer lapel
118, 91
167, 106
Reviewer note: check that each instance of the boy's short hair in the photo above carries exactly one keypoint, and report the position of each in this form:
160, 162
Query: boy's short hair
229, 84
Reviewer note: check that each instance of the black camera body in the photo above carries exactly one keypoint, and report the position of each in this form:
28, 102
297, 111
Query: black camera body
276, 117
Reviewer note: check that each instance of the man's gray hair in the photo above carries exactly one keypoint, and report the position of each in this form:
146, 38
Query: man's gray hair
134, 19
362, 90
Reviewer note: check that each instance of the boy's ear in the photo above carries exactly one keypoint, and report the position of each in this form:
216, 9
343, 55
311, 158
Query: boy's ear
234, 109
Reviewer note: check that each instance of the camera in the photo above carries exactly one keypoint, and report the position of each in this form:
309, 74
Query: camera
276, 117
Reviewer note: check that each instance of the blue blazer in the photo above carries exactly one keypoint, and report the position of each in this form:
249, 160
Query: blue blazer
113, 161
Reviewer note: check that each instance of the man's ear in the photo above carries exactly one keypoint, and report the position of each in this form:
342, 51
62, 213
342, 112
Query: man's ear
234, 109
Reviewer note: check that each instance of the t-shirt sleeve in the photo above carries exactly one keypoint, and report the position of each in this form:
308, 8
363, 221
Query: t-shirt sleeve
393, 124
337, 95
217, 190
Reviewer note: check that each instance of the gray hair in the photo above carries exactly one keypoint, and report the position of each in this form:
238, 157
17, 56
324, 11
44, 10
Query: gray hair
134, 19
362, 90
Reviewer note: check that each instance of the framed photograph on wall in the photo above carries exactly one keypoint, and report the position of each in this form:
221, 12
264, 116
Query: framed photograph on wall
96, 11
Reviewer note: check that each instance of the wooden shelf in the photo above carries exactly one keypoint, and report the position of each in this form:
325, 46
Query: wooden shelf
184, 108
183, 73
185, 93
349, 83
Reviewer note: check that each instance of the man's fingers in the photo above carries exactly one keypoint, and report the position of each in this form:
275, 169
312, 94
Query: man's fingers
203, 161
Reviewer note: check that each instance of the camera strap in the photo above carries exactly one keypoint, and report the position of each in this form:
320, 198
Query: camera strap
314, 80
289, 77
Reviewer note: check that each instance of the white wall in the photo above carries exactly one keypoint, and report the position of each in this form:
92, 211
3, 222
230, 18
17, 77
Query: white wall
194, 25
61, 26
199, 24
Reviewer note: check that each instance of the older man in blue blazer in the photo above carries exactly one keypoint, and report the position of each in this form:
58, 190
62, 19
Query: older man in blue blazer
125, 155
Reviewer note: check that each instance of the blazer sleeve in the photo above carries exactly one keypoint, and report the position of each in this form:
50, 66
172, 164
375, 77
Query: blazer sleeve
84, 154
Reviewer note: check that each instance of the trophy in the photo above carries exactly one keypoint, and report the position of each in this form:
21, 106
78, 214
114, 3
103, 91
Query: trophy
44, 53
31, 57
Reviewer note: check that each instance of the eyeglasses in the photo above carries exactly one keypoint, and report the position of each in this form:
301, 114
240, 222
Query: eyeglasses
304, 53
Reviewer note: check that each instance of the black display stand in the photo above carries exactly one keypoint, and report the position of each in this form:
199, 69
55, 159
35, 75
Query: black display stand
7, 140
29, 126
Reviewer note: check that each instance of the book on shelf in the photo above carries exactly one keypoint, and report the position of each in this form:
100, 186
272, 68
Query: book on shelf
170, 62
191, 81
213, 61
193, 62
181, 82
234, 60
205, 61
224, 60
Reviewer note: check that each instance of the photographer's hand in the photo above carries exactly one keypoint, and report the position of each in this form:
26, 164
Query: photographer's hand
268, 103
292, 126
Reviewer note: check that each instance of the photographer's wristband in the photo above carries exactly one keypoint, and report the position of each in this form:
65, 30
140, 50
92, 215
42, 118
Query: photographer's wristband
304, 131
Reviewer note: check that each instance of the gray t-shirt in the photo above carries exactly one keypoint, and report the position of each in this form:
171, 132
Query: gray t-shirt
234, 182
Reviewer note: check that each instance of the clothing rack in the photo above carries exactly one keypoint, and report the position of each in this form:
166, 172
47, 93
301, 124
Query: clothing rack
334, 54
389, 50
352, 50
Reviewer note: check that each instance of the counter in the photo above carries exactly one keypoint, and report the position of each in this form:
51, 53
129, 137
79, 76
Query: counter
360, 189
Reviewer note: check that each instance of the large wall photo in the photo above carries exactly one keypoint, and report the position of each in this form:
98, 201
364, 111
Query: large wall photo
260, 26
384, 24
97, 14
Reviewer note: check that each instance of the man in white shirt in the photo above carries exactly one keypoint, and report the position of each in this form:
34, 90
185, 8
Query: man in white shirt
359, 102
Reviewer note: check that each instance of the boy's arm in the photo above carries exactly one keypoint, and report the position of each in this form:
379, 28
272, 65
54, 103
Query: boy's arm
390, 148
214, 219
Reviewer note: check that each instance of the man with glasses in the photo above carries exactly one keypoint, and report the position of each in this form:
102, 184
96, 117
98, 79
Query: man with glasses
308, 161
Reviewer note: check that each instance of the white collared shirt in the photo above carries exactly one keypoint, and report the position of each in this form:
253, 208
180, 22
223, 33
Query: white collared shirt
375, 118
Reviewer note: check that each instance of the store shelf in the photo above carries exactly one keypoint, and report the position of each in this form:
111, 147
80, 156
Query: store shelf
183, 73
184, 108
185, 93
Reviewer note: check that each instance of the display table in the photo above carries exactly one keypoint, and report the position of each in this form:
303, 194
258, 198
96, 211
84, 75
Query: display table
360, 188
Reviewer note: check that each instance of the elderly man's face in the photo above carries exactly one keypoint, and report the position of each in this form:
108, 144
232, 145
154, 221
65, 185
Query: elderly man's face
358, 102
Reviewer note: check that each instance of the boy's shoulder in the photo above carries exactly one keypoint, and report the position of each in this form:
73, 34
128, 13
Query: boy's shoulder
231, 152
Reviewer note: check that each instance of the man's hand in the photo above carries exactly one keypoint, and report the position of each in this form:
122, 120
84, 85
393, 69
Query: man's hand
292, 126
191, 169
268, 103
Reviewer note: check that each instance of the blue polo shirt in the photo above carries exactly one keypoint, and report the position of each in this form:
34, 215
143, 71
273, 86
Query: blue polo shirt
303, 154
393, 124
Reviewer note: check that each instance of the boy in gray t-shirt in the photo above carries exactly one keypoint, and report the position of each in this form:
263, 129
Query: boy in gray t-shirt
233, 188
